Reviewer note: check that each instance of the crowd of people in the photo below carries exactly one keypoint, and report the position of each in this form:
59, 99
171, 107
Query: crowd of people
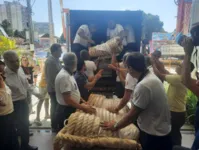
158, 115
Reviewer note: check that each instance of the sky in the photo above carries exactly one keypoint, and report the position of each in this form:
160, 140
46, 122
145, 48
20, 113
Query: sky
166, 9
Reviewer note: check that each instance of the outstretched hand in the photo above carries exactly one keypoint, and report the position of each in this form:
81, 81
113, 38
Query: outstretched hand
108, 125
187, 43
113, 110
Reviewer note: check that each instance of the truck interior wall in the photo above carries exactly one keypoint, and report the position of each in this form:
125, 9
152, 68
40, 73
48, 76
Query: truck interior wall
101, 18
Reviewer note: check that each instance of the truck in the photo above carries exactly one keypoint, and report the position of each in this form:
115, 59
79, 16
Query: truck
75, 18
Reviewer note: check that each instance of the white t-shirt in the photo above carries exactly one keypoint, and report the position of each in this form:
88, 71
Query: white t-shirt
90, 68
65, 82
80, 40
149, 95
115, 32
130, 38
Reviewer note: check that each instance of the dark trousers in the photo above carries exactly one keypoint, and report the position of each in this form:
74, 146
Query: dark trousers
196, 125
119, 90
63, 113
177, 121
76, 48
195, 145
54, 103
8, 133
21, 117
151, 142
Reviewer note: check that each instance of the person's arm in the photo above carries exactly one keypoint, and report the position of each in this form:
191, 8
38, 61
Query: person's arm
122, 77
51, 72
140, 103
2, 86
158, 73
91, 84
114, 60
160, 66
70, 101
125, 100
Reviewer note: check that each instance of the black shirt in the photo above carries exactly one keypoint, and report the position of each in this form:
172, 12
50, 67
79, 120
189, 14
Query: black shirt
82, 80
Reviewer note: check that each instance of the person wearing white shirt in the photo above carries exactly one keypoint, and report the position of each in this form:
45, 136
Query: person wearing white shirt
67, 92
149, 106
83, 38
90, 65
116, 30
17, 82
129, 85
130, 38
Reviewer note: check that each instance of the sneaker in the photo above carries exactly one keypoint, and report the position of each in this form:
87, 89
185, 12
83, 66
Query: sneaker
37, 122
47, 117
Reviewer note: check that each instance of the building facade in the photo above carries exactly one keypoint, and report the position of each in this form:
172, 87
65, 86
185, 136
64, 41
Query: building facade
41, 27
15, 13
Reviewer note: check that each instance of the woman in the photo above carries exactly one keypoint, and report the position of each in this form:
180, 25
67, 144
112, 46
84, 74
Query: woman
45, 97
28, 70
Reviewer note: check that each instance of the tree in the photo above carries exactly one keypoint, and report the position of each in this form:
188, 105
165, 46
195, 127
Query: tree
62, 39
6, 44
7, 27
20, 34
152, 24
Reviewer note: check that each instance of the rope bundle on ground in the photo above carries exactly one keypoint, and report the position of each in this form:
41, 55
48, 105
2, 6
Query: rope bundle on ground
106, 49
83, 131
101, 101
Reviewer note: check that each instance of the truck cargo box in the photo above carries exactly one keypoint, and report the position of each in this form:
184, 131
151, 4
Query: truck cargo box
76, 18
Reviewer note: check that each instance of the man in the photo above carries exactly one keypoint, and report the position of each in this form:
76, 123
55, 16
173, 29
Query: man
83, 38
190, 83
52, 68
8, 134
67, 92
116, 30
130, 38
155, 57
177, 101
149, 104
85, 83
91, 67
129, 85
17, 82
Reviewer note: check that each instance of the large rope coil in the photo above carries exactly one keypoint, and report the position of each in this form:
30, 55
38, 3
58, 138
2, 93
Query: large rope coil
113, 45
83, 131
101, 101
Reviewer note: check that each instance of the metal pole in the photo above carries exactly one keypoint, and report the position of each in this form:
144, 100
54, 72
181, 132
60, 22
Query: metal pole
51, 25
30, 26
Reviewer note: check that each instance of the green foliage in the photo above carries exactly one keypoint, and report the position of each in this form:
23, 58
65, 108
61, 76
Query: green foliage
7, 27
6, 44
151, 23
20, 34
191, 107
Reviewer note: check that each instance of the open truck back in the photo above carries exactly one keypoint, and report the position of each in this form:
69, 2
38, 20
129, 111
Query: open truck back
76, 18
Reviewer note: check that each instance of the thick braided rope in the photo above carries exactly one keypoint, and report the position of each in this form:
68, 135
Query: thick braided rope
102, 102
106, 142
86, 142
